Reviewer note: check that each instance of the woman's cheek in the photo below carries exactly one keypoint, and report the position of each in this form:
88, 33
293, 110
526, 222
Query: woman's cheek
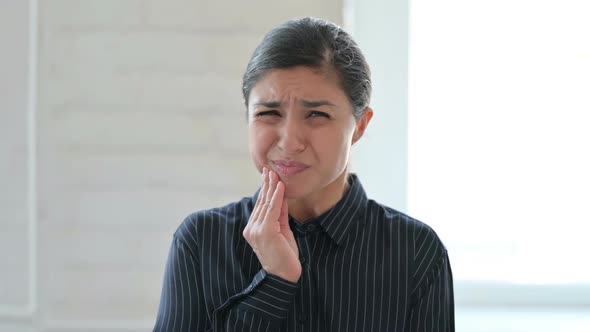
263, 140
258, 151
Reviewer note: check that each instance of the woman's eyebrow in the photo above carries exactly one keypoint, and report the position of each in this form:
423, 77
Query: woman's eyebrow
305, 103
318, 103
268, 104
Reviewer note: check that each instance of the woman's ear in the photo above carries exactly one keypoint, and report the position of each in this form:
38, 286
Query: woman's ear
362, 124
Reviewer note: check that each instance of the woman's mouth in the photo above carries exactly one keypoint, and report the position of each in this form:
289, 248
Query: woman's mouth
288, 168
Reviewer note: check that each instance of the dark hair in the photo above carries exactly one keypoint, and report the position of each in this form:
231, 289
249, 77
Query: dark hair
318, 44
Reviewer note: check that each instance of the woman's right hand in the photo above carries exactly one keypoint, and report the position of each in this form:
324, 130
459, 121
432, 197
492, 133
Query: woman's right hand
268, 231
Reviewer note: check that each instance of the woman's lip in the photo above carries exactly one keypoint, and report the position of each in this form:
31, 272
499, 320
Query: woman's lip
289, 168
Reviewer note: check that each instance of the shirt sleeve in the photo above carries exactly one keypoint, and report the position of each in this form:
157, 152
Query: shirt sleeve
261, 306
433, 305
181, 305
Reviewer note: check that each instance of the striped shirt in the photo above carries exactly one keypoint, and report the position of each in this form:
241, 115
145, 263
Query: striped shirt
366, 267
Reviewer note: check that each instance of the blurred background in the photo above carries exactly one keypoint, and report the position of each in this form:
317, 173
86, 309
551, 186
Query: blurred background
120, 117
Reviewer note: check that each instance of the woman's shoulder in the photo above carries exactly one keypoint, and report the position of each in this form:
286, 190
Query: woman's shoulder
420, 232
233, 215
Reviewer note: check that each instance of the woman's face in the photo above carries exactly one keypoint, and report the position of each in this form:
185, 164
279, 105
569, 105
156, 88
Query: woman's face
301, 125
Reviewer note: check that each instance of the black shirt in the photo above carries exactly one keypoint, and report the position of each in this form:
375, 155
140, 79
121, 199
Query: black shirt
366, 267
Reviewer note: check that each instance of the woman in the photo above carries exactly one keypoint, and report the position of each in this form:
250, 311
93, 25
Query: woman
309, 251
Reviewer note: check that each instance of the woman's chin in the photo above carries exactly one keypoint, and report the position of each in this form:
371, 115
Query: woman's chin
294, 192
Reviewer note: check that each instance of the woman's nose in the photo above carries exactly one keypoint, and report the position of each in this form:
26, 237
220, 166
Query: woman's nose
291, 137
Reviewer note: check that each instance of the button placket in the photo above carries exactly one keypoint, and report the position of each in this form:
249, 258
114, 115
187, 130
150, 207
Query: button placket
303, 260
302, 316
302, 319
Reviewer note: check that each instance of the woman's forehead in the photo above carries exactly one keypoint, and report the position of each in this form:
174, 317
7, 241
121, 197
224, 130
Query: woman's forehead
299, 84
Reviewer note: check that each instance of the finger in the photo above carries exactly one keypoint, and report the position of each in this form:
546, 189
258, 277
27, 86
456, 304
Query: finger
261, 197
284, 216
284, 222
271, 186
264, 188
274, 208
284, 227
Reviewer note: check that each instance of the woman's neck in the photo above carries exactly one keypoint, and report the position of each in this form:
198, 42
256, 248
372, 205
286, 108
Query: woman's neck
309, 207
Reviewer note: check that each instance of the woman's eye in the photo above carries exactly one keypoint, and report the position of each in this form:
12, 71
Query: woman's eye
315, 114
267, 113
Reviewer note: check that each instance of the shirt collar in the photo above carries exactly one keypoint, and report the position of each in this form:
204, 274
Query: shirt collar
339, 221
345, 216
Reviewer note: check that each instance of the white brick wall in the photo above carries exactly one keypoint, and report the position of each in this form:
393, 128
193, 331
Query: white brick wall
14, 253
140, 122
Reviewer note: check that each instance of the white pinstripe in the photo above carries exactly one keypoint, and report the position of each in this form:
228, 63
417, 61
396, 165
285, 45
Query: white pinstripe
361, 255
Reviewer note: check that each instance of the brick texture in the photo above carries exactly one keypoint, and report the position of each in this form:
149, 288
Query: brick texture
140, 122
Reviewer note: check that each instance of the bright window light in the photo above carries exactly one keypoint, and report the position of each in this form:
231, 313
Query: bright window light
499, 136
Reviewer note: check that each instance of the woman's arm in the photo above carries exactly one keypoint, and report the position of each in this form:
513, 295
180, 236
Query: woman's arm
262, 306
432, 305
182, 306
434, 309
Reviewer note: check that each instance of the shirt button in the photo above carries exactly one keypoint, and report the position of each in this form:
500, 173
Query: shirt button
312, 227
302, 259
302, 320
